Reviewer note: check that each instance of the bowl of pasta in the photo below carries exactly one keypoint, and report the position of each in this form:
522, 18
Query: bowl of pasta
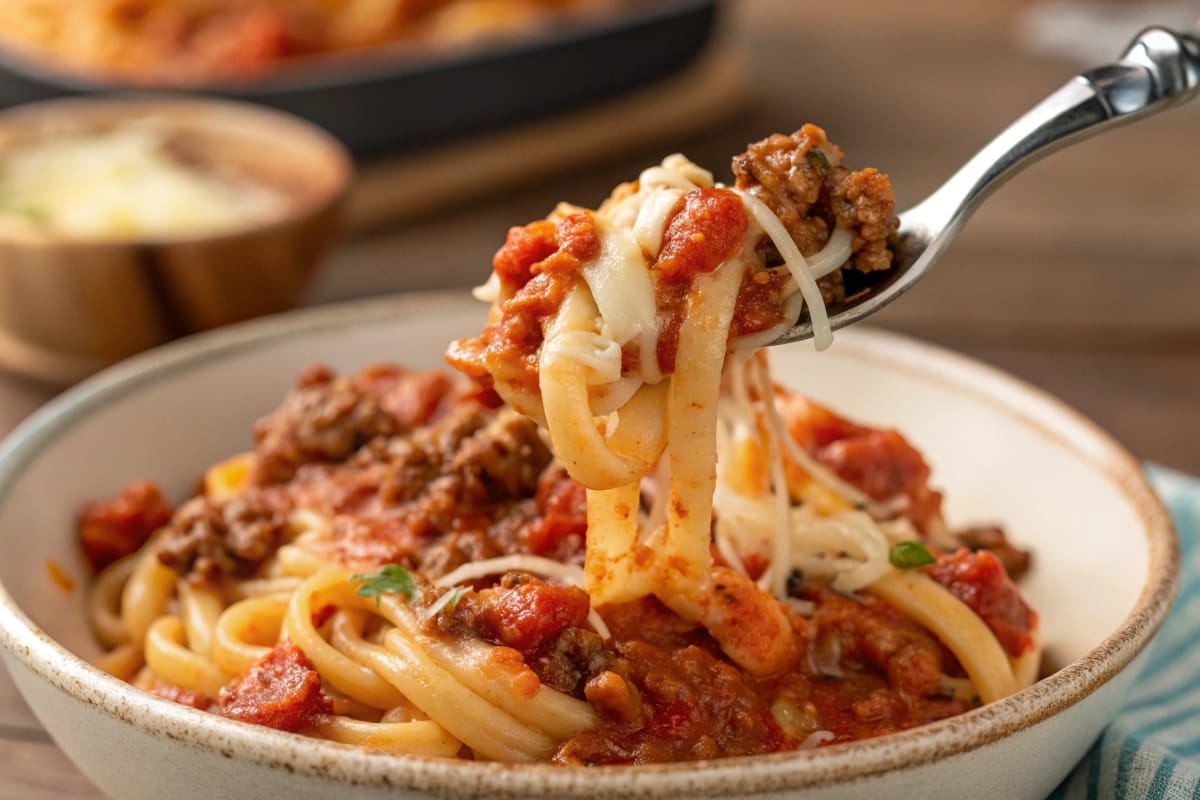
611, 556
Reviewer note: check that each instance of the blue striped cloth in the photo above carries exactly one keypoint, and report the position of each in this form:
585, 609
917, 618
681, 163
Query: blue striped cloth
1152, 748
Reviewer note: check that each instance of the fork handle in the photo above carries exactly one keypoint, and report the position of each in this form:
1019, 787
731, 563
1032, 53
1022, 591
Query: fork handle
1159, 69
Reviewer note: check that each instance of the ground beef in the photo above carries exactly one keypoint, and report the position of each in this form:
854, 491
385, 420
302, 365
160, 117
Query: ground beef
206, 539
460, 489
870, 669
694, 705
849, 634
415, 462
325, 418
574, 658
504, 458
455, 549
473, 456
801, 178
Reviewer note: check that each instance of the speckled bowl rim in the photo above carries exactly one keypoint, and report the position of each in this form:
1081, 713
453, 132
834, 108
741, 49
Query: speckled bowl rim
760, 774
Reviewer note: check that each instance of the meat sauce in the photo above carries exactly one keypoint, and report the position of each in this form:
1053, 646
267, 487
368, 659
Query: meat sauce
537, 267
980, 581
799, 177
880, 462
455, 480
704, 229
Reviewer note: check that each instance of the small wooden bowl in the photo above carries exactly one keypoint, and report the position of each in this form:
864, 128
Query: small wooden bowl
71, 306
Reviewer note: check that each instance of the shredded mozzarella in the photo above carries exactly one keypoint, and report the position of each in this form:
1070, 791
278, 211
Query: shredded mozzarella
624, 293
598, 625
677, 171
848, 547
125, 182
766, 219
775, 578
852, 494
601, 355
834, 254
444, 600
520, 562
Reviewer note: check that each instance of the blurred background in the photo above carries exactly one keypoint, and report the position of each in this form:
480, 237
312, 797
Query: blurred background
1082, 275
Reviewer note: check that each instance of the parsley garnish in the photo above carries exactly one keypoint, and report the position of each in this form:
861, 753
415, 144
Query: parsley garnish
391, 579
816, 158
910, 554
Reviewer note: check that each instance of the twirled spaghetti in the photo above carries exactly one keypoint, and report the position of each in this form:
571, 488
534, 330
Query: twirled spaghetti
682, 561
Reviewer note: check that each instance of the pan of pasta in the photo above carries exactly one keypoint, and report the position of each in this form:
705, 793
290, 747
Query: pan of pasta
381, 75
579, 536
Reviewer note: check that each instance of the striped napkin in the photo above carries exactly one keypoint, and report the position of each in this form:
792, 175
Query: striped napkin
1152, 749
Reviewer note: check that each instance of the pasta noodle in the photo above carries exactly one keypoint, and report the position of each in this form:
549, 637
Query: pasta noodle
666, 557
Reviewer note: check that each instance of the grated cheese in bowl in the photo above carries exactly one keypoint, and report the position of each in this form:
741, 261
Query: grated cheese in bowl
123, 183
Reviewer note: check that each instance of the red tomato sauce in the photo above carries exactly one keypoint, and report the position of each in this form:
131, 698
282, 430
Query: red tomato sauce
979, 580
759, 302
878, 461
114, 528
521, 613
537, 266
282, 691
705, 228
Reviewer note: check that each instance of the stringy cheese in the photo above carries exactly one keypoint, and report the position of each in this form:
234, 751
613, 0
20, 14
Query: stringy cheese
619, 308
796, 264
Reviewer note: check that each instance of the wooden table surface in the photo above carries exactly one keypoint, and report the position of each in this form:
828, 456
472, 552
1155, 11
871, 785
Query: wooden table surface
1082, 275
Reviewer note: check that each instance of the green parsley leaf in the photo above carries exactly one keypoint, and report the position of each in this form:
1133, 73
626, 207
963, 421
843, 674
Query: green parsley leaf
910, 554
392, 579
816, 158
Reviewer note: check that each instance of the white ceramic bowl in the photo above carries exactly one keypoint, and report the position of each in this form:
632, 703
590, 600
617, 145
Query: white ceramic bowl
1106, 570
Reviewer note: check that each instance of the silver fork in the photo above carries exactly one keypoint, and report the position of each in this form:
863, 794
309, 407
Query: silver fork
1159, 69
